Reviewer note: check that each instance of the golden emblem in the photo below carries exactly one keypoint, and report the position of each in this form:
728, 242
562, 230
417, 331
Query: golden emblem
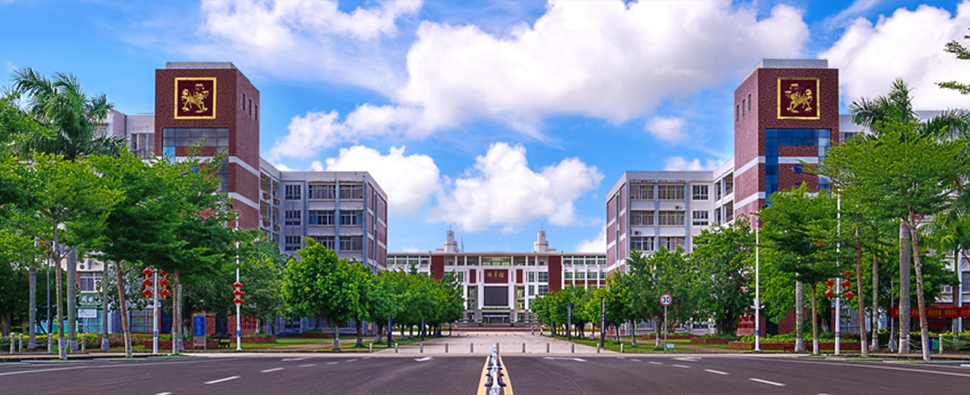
799, 99
195, 100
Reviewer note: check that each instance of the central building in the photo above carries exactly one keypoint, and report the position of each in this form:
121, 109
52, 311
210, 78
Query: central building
499, 287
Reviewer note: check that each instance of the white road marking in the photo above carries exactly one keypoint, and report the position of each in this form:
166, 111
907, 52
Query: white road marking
98, 367
164, 393
656, 363
422, 359
681, 366
688, 359
716, 372
767, 382
332, 363
294, 359
565, 359
270, 370
634, 360
351, 360
221, 380
308, 365
879, 367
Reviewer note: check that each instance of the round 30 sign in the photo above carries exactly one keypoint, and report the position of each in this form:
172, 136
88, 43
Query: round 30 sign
665, 299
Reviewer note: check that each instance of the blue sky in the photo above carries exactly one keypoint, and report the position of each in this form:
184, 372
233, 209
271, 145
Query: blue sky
495, 118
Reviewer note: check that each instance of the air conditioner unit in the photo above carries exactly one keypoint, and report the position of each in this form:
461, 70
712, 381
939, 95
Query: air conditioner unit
678, 207
636, 233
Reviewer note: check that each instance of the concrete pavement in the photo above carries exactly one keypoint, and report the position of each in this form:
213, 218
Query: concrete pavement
509, 342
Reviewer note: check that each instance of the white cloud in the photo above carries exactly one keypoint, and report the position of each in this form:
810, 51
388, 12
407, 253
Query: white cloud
282, 167
669, 129
408, 180
11, 68
605, 60
597, 244
410, 249
316, 166
857, 7
679, 163
908, 45
302, 40
501, 189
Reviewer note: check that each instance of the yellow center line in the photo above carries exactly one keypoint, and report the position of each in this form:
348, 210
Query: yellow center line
505, 371
481, 383
508, 380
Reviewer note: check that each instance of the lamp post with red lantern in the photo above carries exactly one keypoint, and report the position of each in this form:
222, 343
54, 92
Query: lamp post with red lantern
151, 291
237, 300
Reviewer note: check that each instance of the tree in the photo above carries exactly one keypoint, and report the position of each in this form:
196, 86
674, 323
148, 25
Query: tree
801, 229
897, 106
903, 174
73, 119
68, 195
319, 284
263, 271
16, 250
721, 256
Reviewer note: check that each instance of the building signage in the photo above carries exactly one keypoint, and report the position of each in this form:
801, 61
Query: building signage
87, 313
798, 98
198, 329
493, 276
195, 98
935, 312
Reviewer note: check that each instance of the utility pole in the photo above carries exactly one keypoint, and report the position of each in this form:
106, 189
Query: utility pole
602, 321
838, 284
238, 307
569, 322
155, 311
757, 285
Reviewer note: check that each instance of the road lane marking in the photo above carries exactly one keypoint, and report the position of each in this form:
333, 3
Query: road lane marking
767, 382
716, 372
564, 359
270, 370
681, 366
634, 360
656, 363
422, 359
221, 380
508, 379
294, 359
332, 363
687, 359
164, 393
351, 360
101, 367
858, 365
309, 365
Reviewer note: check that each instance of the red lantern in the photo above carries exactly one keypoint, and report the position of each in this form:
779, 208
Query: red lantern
147, 272
164, 293
237, 284
147, 293
237, 293
237, 302
849, 295
146, 282
829, 293
846, 284
847, 274
163, 282
830, 283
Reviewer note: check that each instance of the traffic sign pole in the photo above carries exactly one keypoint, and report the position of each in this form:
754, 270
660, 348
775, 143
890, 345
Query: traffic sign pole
665, 300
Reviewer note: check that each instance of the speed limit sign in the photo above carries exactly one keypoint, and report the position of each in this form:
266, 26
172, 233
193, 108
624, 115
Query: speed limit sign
665, 299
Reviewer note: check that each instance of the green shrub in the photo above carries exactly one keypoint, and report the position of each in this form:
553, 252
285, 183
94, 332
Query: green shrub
313, 331
259, 335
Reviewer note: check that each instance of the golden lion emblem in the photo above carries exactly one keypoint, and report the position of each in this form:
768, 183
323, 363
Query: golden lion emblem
195, 99
799, 99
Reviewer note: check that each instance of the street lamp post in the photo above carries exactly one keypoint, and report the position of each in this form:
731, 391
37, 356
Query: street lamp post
838, 284
569, 322
602, 321
238, 305
757, 285
389, 326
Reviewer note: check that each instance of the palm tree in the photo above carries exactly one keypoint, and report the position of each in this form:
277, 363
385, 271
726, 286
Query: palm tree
898, 106
73, 118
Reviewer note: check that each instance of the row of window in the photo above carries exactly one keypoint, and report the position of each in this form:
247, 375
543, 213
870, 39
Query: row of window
667, 218
324, 191
739, 110
584, 275
325, 217
253, 109
646, 243
347, 243
668, 192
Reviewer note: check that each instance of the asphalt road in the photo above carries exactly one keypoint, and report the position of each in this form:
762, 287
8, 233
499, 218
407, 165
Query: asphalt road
440, 374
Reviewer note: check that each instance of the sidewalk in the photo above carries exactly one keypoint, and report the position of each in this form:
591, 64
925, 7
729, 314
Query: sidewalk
509, 343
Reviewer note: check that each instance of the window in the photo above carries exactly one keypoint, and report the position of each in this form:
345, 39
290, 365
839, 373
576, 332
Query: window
671, 243
737, 113
88, 282
352, 218
699, 192
671, 218
460, 276
641, 218
292, 192
291, 243
532, 277
351, 243
798, 169
743, 107
543, 277
256, 112
532, 290
700, 218
352, 191
671, 192
321, 191
569, 275
327, 241
965, 280
244, 101
641, 191
543, 289
292, 217
580, 275
321, 217
641, 243
749, 102
250, 106
186, 137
